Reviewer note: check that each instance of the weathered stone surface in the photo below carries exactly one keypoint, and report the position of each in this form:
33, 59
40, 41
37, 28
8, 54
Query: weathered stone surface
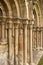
18, 18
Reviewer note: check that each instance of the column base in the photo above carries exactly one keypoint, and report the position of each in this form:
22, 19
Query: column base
4, 41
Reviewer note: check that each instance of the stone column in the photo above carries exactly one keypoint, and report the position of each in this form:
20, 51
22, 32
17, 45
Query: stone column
37, 38
34, 38
30, 46
25, 44
6, 33
10, 44
31, 30
41, 38
3, 31
6, 28
16, 43
20, 49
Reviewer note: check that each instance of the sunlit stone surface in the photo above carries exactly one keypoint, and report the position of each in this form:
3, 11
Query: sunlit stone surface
21, 32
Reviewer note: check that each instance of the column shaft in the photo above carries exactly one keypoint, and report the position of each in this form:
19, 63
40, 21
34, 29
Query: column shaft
16, 44
41, 39
10, 44
37, 39
3, 30
20, 45
25, 44
30, 45
6, 28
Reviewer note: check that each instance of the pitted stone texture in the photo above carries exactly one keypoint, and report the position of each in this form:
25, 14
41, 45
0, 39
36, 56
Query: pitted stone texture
3, 58
3, 55
37, 56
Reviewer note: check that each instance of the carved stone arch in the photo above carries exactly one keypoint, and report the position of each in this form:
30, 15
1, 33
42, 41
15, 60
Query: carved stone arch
35, 17
17, 7
3, 11
3, 20
38, 12
9, 8
26, 3
22, 8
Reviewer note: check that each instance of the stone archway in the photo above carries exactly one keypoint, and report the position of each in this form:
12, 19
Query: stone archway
37, 35
36, 9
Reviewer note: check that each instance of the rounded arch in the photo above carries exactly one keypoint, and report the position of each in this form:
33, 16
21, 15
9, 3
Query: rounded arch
38, 12
9, 7
26, 3
3, 11
1, 14
35, 17
22, 8
17, 7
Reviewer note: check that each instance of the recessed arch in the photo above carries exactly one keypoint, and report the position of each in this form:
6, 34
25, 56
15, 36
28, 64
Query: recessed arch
4, 8
26, 3
17, 7
9, 7
38, 13
35, 17
22, 8
3, 11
